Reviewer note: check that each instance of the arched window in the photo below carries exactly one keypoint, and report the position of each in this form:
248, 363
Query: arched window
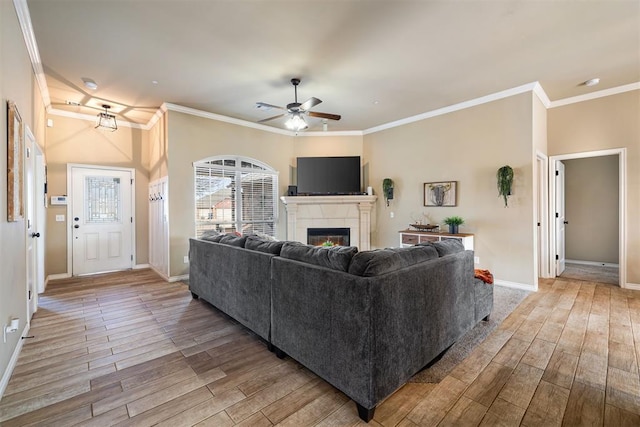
235, 194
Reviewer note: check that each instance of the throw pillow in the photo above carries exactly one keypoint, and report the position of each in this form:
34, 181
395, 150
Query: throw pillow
380, 261
256, 243
211, 236
335, 258
233, 240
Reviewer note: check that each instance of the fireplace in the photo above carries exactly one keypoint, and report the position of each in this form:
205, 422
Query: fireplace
320, 236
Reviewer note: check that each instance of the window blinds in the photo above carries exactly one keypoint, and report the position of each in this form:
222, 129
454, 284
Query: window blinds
235, 195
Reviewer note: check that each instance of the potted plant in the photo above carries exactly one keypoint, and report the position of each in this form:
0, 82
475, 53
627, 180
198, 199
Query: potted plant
505, 181
453, 222
387, 189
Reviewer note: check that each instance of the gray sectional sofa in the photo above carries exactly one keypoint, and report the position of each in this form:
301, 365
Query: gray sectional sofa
365, 322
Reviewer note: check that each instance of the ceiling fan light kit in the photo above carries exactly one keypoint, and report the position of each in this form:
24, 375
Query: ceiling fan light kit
106, 120
296, 123
296, 111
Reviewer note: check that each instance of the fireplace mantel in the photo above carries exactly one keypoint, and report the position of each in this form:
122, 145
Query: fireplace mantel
353, 212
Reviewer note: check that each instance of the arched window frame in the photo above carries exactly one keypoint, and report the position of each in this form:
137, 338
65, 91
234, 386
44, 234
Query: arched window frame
235, 194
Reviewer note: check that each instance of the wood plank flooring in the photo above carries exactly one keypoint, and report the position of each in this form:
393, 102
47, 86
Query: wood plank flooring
130, 349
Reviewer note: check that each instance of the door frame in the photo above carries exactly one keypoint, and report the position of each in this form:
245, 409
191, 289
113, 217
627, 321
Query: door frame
542, 209
69, 213
622, 206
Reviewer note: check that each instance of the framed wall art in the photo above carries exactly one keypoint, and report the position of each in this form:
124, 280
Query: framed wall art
440, 193
15, 164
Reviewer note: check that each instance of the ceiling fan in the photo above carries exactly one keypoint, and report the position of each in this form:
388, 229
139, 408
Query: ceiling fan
297, 110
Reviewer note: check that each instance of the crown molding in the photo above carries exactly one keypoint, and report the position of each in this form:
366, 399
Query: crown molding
538, 90
594, 95
455, 107
24, 18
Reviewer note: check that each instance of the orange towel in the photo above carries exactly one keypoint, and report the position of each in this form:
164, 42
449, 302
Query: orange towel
484, 275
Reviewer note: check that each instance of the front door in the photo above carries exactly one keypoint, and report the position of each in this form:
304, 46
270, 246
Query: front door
101, 220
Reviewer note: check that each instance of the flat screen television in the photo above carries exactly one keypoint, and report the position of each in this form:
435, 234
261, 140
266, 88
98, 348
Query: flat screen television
328, 175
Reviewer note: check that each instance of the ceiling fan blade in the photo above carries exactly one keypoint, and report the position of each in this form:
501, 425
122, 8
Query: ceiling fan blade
324, 115
271, 118
268, 106
309, 103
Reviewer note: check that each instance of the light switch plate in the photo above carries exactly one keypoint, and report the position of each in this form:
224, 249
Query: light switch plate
59, 218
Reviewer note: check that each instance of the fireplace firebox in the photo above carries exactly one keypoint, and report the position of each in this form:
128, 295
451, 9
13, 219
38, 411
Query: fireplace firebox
328, 236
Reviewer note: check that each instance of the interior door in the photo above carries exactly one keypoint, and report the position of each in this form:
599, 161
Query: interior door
561, 220
101, 220
32, 234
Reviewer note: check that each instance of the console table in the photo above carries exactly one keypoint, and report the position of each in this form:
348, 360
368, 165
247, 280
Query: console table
413, 237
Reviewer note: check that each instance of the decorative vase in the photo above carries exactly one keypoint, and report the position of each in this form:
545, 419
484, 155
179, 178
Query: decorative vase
453, 228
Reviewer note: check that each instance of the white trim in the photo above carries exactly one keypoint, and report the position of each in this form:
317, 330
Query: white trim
22, 10
538, 90
595, 263
514, 285
622, 201
595, 95
132, 173
178, 278
141, 266
160, 273
633, 286
58, 276
90, 118
455, 107
6, 376
221, 118
542, 194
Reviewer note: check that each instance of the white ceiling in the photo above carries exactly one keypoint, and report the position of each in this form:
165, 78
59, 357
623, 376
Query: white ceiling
373, 62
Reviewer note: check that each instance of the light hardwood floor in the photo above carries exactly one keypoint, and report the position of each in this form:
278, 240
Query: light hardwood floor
130, 349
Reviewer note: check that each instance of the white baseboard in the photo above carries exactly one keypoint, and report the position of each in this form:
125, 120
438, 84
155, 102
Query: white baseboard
141, 266
58, 276
514, 285
634, 286
6, 376
179, 278
597, 263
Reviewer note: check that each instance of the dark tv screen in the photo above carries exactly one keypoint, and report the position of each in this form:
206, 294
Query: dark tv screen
328, 175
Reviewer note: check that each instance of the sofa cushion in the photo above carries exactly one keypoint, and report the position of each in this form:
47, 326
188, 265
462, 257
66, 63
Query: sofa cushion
211, 236
380, 261
335, 257
260, 244
233, 240
448, 246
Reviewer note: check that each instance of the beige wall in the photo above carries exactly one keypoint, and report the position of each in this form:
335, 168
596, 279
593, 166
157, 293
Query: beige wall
591, 206
193, 138
17, 84
158, 143
77, 141
467, 146
600, 124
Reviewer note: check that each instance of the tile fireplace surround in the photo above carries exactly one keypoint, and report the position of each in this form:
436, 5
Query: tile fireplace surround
353, 212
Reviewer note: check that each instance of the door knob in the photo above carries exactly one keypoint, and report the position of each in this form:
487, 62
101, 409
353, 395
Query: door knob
35, 234
76, 226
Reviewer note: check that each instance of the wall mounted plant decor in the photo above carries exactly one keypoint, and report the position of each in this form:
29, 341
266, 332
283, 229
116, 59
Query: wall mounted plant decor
387, 189
505, 181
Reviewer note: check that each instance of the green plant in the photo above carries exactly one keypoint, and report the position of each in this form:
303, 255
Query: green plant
505, 181
454, 220
387, 189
